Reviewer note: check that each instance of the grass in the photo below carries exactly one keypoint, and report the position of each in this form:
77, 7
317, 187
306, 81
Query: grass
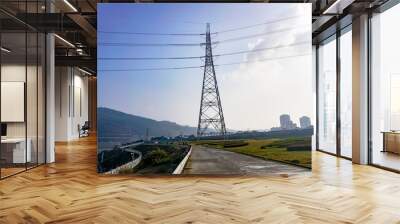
158, 158
222, 143
161, 158
273, 149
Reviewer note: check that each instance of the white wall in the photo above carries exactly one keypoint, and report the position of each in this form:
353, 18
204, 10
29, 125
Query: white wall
71, 93
61, 103
16, 73
80, 109
33, 127
9, 73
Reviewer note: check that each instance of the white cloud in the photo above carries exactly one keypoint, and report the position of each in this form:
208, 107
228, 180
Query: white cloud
255, 94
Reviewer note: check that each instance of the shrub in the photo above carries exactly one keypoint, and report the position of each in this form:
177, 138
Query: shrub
295, 161
292, 144
157, 156
231, 144
108, 160
299, 148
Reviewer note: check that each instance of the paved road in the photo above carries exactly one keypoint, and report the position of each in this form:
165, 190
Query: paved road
204, 160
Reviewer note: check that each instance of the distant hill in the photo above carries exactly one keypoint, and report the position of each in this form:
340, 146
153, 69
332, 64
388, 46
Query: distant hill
113, 123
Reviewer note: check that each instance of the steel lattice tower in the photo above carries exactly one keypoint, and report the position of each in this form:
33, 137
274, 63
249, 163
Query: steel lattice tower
211, 115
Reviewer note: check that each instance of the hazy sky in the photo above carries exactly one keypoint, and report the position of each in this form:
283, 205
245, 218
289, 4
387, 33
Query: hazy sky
253, 94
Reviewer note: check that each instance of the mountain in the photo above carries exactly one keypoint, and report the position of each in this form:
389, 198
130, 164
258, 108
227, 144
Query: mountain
113, 123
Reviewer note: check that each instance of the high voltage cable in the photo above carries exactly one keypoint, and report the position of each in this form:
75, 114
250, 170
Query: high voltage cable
254, 35
149, 69
201, 66
255, 25
266, 59
194, 44
199, 34
215, 55
152, 34
150, 58
149, 44
263, 49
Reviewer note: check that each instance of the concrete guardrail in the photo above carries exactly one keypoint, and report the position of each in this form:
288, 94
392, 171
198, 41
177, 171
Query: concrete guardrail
129, 165
182, 164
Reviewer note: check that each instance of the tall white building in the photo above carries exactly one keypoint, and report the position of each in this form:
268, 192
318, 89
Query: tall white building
305, 122
286, 122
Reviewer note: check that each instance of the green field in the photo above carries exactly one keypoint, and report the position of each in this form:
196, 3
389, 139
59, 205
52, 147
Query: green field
296, 151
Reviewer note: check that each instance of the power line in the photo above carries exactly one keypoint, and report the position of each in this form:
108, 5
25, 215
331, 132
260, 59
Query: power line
255, 35
195, 44
215, 55
152, 34
255, 25
150, 58
201, 66
266, 59
263, 49
149, 69
150, 44
199, 34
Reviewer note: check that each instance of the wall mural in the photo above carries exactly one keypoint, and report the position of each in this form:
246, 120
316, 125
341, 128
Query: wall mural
213, 89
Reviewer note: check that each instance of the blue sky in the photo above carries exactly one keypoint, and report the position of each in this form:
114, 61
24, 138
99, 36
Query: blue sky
249, 91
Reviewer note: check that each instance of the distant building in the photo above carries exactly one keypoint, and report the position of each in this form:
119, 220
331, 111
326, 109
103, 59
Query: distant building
276, 128
286, 122
305, 122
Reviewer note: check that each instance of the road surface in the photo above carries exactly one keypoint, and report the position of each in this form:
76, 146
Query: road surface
205, 160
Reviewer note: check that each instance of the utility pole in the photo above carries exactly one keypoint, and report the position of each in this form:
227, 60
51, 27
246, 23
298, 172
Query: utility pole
211, 115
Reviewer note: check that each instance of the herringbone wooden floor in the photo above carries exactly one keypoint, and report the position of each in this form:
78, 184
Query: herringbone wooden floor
70, 191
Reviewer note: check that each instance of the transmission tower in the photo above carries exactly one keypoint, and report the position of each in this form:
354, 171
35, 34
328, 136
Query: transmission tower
210, 115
